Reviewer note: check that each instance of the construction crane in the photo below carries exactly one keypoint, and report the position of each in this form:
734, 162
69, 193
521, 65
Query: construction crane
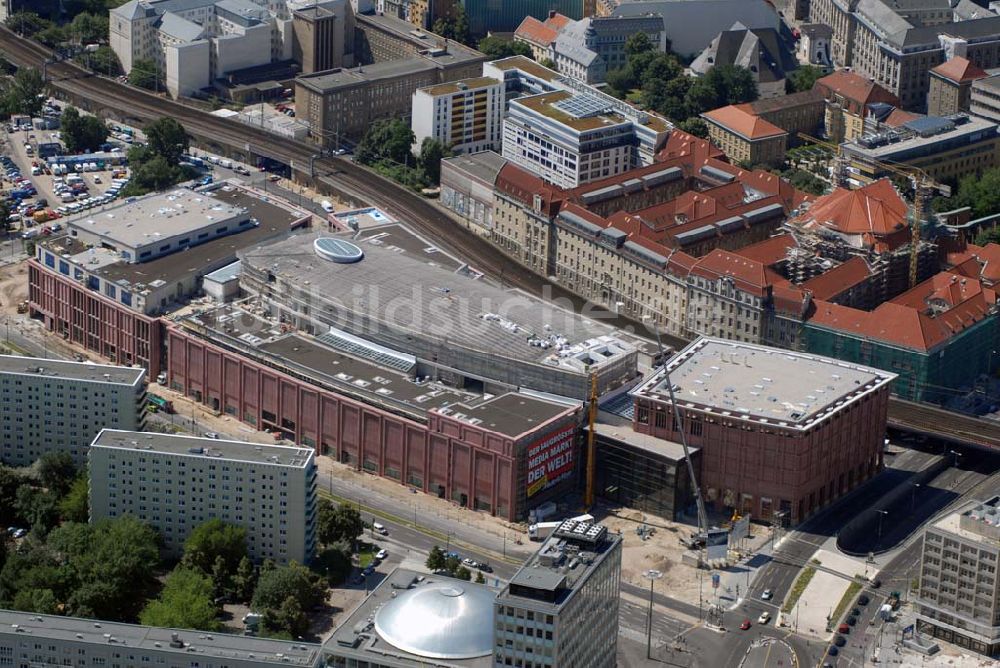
588, 499
923, 189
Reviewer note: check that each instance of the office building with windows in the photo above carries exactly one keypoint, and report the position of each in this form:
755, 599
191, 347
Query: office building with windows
463, 115
51, 406
959, 599
174, 483
561, 607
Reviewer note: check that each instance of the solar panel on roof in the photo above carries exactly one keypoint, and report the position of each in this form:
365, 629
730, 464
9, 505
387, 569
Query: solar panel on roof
583, 106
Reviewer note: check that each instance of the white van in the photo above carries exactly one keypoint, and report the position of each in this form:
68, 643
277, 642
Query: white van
379, 528
327, 206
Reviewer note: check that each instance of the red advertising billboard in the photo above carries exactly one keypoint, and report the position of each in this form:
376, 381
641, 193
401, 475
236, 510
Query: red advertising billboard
550, 460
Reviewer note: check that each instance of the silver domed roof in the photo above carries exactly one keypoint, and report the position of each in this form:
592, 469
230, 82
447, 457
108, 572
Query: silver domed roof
440, 621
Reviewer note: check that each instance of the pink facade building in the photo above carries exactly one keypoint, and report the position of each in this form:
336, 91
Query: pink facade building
781, 434
500, 454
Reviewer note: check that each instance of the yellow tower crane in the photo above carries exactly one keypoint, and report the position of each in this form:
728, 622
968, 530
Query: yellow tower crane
923, 188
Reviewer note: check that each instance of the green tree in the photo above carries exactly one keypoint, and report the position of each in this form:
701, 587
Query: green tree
694, 126
87, 133
24, 94
547, 62
42, 601
27, 23
144, 74
805, 181
244, 581
10, 481
436, 559
497, 47
980, 193
56, 471
335, 523
990, 236
213, 540
277, 584
455, 27
38, 508
287, 619
166, 137
431, 153
108, 568
638, 43
87, 28
479, 578
74, 506
334, 563
452, 564
387, 139
185, 603
463, 573
102, 61
52, 36
802, 78
221, 577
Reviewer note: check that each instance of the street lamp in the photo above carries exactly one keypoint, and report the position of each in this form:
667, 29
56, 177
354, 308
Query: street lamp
913, 495
957, 455
881, 514
652, 575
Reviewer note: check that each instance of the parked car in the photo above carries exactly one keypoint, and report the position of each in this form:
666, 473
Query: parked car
746, 624
381, 554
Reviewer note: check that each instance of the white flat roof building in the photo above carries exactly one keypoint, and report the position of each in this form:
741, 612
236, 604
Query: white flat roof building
52, 405
160, 224
49, 640
175, 483
465, 115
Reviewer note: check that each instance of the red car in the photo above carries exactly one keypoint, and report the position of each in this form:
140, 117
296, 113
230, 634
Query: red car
746, 624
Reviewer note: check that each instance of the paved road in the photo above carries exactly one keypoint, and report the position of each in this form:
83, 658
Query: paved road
769, 653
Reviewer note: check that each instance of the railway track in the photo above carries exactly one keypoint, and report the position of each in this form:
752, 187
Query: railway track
126, 102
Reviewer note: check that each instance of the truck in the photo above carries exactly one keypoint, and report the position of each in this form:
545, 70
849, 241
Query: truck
160, 403
542, 530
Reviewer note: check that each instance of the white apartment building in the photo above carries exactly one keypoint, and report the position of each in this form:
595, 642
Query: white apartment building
194, 42
52, 405
465, 115
567, 132
40, 641
959, 598
175, 483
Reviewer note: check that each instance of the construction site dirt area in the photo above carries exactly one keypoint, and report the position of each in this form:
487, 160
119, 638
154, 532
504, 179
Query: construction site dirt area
663, 551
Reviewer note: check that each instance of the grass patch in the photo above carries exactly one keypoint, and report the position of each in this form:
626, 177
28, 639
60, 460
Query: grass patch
13, 349
845, 601
366, 555
800, 586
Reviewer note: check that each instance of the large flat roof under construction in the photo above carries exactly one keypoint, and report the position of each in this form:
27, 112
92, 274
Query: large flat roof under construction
768, 385
411, 286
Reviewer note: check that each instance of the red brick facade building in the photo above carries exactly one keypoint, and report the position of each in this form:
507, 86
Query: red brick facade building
779, 432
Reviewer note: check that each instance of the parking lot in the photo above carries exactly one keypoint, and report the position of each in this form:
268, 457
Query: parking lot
40, 193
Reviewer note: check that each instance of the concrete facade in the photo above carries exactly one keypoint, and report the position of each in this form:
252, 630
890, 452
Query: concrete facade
467, 187
549, 615
175, 483
759, 455
959, 599
588, 49
323, 36
465, 115
50, 640
56, 406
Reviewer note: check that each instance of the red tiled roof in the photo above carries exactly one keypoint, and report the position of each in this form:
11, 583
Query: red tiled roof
749, 275
534, 31
557, 21
856, 88
770, 251
740, 120
987, 259
909, 320
897, 117
522, 185
789, 298
688, 148
959, 70
839, 279
876, 213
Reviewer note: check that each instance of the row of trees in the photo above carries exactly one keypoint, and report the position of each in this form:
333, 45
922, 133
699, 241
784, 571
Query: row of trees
439, 561
84, 28
387, 148
656, 80
81, 133
156, 165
